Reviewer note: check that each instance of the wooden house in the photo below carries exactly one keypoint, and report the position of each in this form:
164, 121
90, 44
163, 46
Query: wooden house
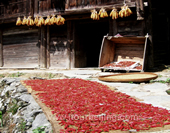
77, 43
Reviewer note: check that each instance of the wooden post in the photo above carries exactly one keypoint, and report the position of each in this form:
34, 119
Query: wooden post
69, 43
48, 46
112, 27
36, 6
43, 44
73, 52
139, 9
1, 49
32, 8
27, 8
39, 44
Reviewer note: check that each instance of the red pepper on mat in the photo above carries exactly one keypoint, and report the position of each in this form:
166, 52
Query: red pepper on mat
84, 106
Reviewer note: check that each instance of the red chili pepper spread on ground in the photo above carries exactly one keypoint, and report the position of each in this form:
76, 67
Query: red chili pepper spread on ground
122, 64
90, 107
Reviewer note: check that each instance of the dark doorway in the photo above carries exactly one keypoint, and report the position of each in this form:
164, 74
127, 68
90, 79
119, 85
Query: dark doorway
90, 35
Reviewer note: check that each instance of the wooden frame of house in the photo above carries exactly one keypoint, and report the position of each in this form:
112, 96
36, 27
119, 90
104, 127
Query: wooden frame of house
77, 43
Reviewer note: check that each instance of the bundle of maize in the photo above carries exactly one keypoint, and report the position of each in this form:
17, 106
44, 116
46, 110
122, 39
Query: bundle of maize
19, 22
29, 21
47, 21
53, 19
60, 20
24, 21
103, 13
125, 11
94, 15
114, 14
41, 21
36, 20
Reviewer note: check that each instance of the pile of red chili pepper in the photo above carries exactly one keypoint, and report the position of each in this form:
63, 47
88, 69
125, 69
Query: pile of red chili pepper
120, 64
89, 107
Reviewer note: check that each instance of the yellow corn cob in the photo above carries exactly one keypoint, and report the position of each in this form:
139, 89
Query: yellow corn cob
47, 21
29, 21
94, 15
40, 22
24, 21
125, 11
19, 22
53, 19
114, 13
60, 20
103, 13
36, 20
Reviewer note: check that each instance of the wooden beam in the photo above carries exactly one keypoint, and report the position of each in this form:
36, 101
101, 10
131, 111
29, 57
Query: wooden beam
140, 9
32, 8
27, 8
69, 43
48, 46
112, 27
43, 44
36, 6
39, 44
1, 48
73, 50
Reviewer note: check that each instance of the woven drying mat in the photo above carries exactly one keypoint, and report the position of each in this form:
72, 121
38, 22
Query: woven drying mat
56, 126
51, 117
129, 77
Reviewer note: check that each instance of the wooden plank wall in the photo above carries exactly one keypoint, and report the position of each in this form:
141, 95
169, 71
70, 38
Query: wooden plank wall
20, 47
58, 46
159, 26
131, 27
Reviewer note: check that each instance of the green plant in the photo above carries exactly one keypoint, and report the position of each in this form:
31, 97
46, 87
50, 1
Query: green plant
130, 82
13, 108
2, 76
22, 126
159, 75
50, 75
1, 118
18, 74
161, 81
39, 129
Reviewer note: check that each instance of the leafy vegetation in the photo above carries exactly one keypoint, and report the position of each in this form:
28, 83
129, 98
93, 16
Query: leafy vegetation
18, 74
22, 126
50, 75
14, 107
161, 81
39, 129
1, 118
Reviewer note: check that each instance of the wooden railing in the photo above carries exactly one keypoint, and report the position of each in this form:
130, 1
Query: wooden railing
14, 9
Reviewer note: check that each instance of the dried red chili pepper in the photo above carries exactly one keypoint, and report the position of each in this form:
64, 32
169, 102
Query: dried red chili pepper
77, 97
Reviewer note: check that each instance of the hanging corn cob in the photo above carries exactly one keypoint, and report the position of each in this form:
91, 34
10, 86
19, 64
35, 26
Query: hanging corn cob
53, 19
114, 14
125, 11
47, 21
41, 21
19, 22
103, 13
60, 20
36, 20
24, 21
94, 15
29, 21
